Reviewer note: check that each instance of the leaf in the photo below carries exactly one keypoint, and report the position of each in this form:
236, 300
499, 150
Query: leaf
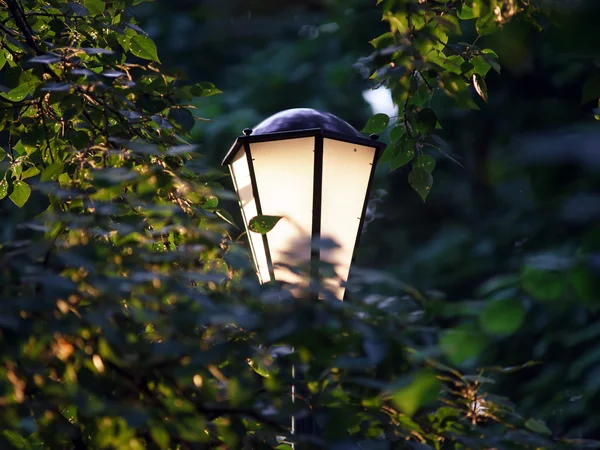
20, 194
502, 317
425, 161
543, 284
399, 153
144, 47
223, 214
456, 88
426, 120
52, 171
461, 344
480, 86
486, 24
538, 426
30, 172
2, 154
491, 58
94, 6
421, 181
3, 188
376, 124
423, 390
263, 224
205, 89
467, 12
182, 117
160, 436
2, 58
397, 132
17, 94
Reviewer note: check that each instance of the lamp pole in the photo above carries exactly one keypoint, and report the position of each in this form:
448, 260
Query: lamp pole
314, 171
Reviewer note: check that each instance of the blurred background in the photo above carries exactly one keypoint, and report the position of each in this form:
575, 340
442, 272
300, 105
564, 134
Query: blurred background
511, 232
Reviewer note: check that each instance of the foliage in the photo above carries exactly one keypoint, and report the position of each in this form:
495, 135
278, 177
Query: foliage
131, 317
422, 57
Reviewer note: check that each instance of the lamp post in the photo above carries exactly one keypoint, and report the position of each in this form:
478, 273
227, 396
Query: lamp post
315, 171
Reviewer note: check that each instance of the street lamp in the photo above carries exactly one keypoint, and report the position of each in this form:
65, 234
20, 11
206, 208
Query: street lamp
315, 171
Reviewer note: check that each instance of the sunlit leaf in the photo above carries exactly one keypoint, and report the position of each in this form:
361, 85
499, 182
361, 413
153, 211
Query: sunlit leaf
423, 390
20, 194
144, 47
94, 6
376, 124
263, 224
480, 86
502, 317
3, 188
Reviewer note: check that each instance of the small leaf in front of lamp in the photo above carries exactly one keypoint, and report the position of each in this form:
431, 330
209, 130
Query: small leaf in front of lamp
421, 181
263, 224
377, 124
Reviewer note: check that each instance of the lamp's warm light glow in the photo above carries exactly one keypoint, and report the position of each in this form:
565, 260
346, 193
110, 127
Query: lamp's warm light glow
284, 177
346, 171
314, 171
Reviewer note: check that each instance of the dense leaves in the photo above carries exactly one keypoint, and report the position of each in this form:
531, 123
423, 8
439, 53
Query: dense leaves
424, 55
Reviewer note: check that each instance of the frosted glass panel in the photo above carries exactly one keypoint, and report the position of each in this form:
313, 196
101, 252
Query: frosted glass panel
346, 171
284, 176
240, 172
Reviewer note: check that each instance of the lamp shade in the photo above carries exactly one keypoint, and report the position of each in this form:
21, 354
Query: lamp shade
315, 171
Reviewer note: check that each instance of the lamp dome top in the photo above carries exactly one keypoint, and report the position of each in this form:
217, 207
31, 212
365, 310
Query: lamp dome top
304, 119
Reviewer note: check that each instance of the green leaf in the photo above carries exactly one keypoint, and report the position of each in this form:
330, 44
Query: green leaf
543, 284
263, 224
20, 194
52, 171
480, 66
397, 132
467, 12
423, 390
224, 214
538, 426
17, 94
94, 6
205, 89
3, 188
491, 58
421, 181
182, 117
144, 47
502, 317
480, 86
456, 88
486, 24
426, 120
2, 154
461, 344
399, 153
30, 172
425, 161
160, 436
2, 58
377, 124
454, 64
